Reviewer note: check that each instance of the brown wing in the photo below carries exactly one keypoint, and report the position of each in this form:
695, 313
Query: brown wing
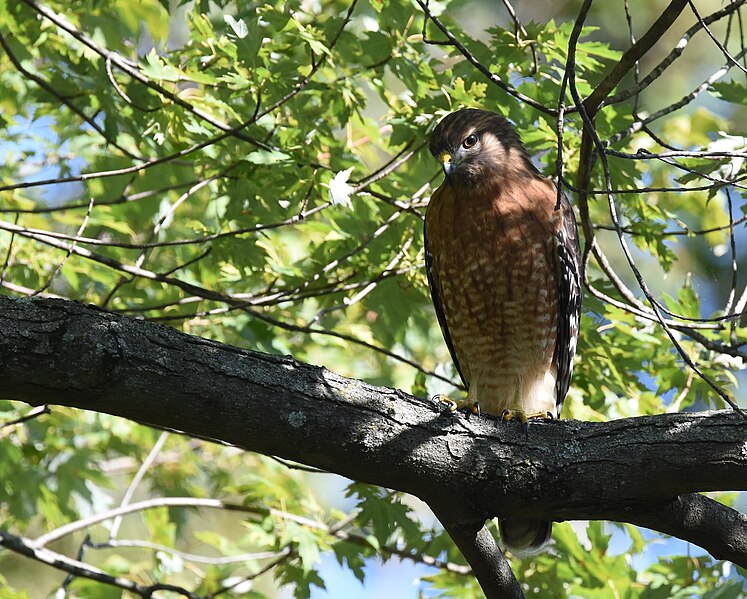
438, 305
568, 269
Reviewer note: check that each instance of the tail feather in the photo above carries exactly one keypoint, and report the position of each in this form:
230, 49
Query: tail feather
524, 534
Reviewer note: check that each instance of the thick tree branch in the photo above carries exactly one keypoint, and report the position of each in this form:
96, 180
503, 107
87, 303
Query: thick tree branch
631, 470
480, 549
701, 520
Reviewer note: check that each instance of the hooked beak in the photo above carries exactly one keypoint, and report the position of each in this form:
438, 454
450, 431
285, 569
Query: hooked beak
449, 165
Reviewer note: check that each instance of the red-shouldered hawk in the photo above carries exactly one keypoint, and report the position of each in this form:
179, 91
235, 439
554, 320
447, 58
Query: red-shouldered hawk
504, 271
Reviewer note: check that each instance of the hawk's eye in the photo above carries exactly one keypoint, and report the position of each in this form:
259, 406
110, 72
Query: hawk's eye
469, 141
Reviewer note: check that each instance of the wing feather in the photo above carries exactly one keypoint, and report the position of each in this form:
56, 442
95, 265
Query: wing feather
568, 264
438, 305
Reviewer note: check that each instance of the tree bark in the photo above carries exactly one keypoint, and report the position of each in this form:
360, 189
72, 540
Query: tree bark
633, 470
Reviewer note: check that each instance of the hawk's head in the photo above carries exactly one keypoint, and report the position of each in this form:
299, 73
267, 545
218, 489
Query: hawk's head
474, 145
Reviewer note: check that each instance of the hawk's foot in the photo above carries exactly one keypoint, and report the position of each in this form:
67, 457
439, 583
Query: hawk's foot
454, 405
524, 418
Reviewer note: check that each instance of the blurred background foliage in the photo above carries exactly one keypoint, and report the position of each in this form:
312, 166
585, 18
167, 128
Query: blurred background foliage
258, 174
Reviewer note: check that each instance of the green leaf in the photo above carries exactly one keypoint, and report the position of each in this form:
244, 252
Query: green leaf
158, 69
729, 91
265, 157
729, 590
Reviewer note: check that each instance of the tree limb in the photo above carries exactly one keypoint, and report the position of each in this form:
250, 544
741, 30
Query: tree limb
479, 548
630, 470
703, 521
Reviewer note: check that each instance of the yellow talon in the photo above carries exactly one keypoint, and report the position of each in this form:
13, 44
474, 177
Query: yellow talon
452, 405
524, 418
514, 415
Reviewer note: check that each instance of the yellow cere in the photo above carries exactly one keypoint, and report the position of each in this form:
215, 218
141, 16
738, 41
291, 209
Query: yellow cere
445, 157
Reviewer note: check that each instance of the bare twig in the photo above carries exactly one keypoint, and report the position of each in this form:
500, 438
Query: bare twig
633, 54
676, 52
31, 415
135, 482
61, 562
64, 260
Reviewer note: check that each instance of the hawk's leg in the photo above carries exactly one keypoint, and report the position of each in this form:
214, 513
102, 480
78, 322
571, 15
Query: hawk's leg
461, 404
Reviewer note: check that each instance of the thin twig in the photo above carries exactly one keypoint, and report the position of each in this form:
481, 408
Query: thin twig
135, 482
30, 415
64, 260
